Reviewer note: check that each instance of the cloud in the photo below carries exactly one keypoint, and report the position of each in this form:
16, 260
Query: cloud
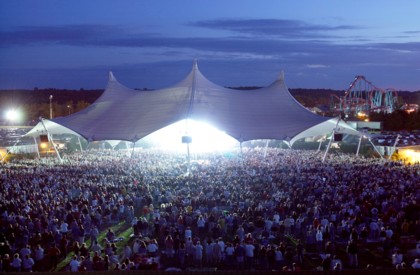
317, 66
66, 34
304, 50
311, 52
284, 28
412, 32
79, 35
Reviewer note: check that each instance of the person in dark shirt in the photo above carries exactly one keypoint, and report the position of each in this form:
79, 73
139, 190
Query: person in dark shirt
54, 253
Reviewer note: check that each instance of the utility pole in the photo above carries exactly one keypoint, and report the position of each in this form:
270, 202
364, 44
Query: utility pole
51, 112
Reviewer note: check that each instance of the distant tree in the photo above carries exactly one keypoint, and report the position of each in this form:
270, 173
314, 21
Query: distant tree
80, 105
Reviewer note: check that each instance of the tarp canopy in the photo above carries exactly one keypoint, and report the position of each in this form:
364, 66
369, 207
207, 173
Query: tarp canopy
122, 113
327, 127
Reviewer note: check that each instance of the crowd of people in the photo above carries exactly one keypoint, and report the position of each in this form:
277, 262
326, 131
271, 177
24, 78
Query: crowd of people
258, 209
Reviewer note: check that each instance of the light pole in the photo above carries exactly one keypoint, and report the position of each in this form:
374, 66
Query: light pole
69, 107
51, 113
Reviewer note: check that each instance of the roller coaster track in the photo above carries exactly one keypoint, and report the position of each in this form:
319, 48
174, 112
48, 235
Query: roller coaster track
363, 96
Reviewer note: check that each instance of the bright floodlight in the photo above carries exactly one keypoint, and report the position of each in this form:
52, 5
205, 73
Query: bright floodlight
12, 115
205, 138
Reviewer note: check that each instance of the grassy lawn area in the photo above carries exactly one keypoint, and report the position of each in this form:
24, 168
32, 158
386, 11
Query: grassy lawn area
122, 230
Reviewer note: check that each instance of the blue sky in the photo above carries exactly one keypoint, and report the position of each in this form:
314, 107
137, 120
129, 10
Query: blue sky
318, 44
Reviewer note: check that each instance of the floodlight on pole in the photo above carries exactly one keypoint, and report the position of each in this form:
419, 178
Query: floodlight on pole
51, 112
11, 115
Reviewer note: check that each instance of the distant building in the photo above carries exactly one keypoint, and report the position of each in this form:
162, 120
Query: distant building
365, 125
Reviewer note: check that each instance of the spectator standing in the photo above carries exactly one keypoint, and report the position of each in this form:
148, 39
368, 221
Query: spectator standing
28, 263
352, 252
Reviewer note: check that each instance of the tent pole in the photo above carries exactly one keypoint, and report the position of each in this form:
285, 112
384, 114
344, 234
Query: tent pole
332, 137
50, 138
188, 157
328, 147
80, 144
319, 147
376, 149
37, 149
132, 151
393, 147
266, 146
127, 147
358, 145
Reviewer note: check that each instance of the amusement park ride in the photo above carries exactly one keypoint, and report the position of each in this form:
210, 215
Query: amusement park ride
362, 97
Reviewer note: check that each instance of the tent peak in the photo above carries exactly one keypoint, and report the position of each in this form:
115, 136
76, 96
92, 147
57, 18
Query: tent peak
112, 77
281, 76
195, 64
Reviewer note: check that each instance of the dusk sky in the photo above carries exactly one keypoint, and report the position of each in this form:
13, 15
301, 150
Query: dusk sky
318, 44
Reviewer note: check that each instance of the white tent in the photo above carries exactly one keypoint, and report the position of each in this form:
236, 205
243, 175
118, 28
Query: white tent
122, 113
327, 127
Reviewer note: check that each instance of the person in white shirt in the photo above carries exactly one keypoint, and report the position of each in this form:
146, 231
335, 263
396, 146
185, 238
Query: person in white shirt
188, 233
25, 251
127, 252
319, 239
389, 233
416, 264
27, 263
209, 251
221, 243
279, 258
201, 223
198, 254
39, 253
397, 257
74, 264
276, 218
64, 227
152, 248
229, 251
249, 254
16, 263
268, 224
136, 246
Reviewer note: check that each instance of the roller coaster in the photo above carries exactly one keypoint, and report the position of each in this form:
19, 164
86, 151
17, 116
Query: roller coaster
364, 97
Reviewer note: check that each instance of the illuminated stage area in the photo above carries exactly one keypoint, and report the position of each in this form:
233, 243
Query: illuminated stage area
204, 138
408, 155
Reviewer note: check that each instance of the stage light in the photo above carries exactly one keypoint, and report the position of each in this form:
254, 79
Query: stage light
43, 145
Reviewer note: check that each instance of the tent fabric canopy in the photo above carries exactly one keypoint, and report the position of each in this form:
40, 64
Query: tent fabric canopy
333, 124
122, 113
